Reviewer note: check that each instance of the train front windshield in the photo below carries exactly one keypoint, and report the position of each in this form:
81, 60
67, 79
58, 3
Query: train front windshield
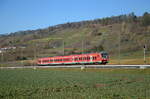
104, 55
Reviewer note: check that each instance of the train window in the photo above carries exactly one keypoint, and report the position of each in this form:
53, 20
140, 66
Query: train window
76, 59
104, 55
45, 60
66, 59
80, 58
85, 58
95, 58
39, 61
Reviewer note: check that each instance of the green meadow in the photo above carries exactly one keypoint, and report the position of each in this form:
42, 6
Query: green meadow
56, 83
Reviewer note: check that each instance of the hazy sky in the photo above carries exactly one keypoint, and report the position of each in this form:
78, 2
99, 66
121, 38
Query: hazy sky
16, 15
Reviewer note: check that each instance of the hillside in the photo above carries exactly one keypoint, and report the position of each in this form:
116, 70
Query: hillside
131, 32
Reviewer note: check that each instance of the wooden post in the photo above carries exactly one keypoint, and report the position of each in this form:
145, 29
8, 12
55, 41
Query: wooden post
144, 54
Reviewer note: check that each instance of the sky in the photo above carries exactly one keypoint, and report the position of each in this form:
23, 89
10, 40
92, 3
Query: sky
19, 15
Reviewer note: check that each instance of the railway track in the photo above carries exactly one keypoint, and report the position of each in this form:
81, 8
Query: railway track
81, 66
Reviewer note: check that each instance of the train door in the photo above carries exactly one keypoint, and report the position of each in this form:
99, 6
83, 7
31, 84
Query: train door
73, 59
41, 61
91, 58
53, 60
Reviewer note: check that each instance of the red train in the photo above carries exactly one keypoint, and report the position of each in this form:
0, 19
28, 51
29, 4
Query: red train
91, 58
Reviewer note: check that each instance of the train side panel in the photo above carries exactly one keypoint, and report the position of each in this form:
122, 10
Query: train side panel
94, 58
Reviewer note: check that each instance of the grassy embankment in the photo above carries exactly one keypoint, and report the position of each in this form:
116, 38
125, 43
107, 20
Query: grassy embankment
128, 58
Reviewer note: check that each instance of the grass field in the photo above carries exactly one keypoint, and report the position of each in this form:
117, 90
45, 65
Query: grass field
135, 61
74, 83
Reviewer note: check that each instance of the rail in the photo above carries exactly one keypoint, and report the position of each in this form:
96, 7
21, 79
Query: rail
82, 66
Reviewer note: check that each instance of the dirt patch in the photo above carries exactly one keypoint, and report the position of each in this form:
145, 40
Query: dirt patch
99, 85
